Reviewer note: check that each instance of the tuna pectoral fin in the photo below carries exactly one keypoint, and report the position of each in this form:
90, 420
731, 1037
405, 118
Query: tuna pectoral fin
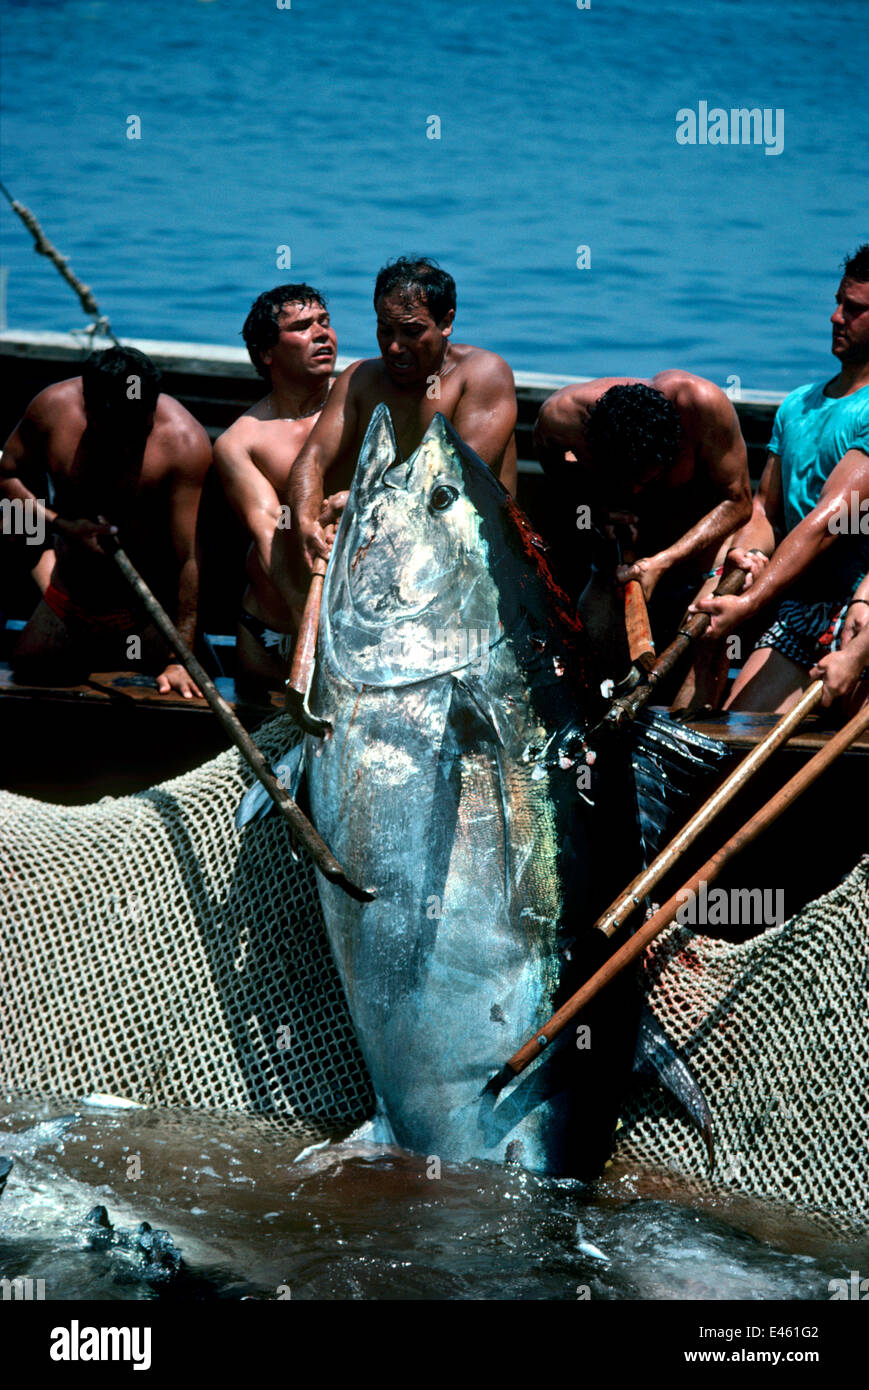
536, 1086
5, 1170
657, 1058
256, 801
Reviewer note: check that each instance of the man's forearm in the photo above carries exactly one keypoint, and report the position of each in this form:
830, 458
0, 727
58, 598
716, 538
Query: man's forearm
551, 453
757, 534
800, 547
15, 491
708, 533
305, 491
188, 599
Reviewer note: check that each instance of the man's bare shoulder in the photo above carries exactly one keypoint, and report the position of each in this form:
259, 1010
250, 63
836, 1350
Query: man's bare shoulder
241, 435
585, 393
690, 392
56, 402
180, 432
479, 364
361, 374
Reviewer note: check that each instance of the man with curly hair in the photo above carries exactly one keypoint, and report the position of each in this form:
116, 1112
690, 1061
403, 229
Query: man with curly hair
811, 514
118, 454
661, 467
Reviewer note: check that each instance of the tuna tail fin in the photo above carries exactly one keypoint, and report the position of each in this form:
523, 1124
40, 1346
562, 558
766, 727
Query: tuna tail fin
656, 1058
256, 801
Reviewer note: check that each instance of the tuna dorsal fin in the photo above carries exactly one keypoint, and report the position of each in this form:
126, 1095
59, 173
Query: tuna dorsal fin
379, 448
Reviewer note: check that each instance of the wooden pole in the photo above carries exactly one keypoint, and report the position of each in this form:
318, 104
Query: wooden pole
638, 629
616, 914
627, 707
637, 944
297, 821
303, 656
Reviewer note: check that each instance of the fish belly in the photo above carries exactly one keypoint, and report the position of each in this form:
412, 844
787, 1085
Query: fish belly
456, 962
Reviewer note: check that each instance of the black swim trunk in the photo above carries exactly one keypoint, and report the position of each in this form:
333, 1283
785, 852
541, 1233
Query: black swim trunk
276, 644
806, 632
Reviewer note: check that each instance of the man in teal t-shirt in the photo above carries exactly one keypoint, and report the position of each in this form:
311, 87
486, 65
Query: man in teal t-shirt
806, 547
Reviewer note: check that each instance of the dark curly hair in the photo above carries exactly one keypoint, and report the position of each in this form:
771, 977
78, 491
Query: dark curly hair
262, 328
632, 430
418, 278
856, 267
107, 386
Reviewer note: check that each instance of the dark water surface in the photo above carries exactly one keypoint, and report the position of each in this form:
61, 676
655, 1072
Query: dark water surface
307, 128
354, 1222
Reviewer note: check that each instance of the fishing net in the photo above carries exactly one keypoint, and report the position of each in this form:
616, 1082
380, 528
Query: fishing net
776, 1032
150, 951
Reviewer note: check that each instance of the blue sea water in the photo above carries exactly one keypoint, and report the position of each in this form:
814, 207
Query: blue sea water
307, 127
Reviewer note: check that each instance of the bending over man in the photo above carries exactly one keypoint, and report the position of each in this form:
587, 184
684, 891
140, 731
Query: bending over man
661, 467
118, 455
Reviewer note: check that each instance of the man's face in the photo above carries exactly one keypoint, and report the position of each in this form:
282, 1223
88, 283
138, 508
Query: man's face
851, 322
307, 344
411, 344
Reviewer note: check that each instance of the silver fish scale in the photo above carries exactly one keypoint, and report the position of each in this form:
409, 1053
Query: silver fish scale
427, 792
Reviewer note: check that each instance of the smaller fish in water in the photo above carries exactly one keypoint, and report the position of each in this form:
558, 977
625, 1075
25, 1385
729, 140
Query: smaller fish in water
99, 1100
154, 1251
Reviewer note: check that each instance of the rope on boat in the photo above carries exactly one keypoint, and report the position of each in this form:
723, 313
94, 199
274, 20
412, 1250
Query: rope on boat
44, 248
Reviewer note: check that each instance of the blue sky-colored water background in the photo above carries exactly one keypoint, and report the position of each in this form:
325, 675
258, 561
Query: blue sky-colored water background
264, 127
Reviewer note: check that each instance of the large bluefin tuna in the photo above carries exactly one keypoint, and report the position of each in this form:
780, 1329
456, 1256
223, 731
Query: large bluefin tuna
453, 674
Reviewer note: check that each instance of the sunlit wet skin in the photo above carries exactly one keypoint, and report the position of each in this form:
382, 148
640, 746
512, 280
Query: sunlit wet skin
355, 1222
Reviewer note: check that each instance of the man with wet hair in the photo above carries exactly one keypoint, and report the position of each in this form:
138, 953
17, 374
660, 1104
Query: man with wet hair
661, 467
811, 514
115, 455
420, 372
292, 344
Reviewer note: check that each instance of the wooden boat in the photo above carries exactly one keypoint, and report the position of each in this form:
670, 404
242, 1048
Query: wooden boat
115, 734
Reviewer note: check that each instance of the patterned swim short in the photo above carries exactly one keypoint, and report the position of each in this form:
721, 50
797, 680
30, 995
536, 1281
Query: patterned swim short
806, 632
277, 644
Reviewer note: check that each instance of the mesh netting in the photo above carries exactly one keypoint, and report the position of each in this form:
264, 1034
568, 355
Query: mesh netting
150, 951
776, 1031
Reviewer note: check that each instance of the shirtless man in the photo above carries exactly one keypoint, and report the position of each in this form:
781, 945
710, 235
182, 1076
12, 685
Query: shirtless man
815, 487
662, 466
120, 456
419, 373
292, 344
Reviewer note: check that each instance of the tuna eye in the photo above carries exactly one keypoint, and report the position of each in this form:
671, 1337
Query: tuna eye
443, 497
